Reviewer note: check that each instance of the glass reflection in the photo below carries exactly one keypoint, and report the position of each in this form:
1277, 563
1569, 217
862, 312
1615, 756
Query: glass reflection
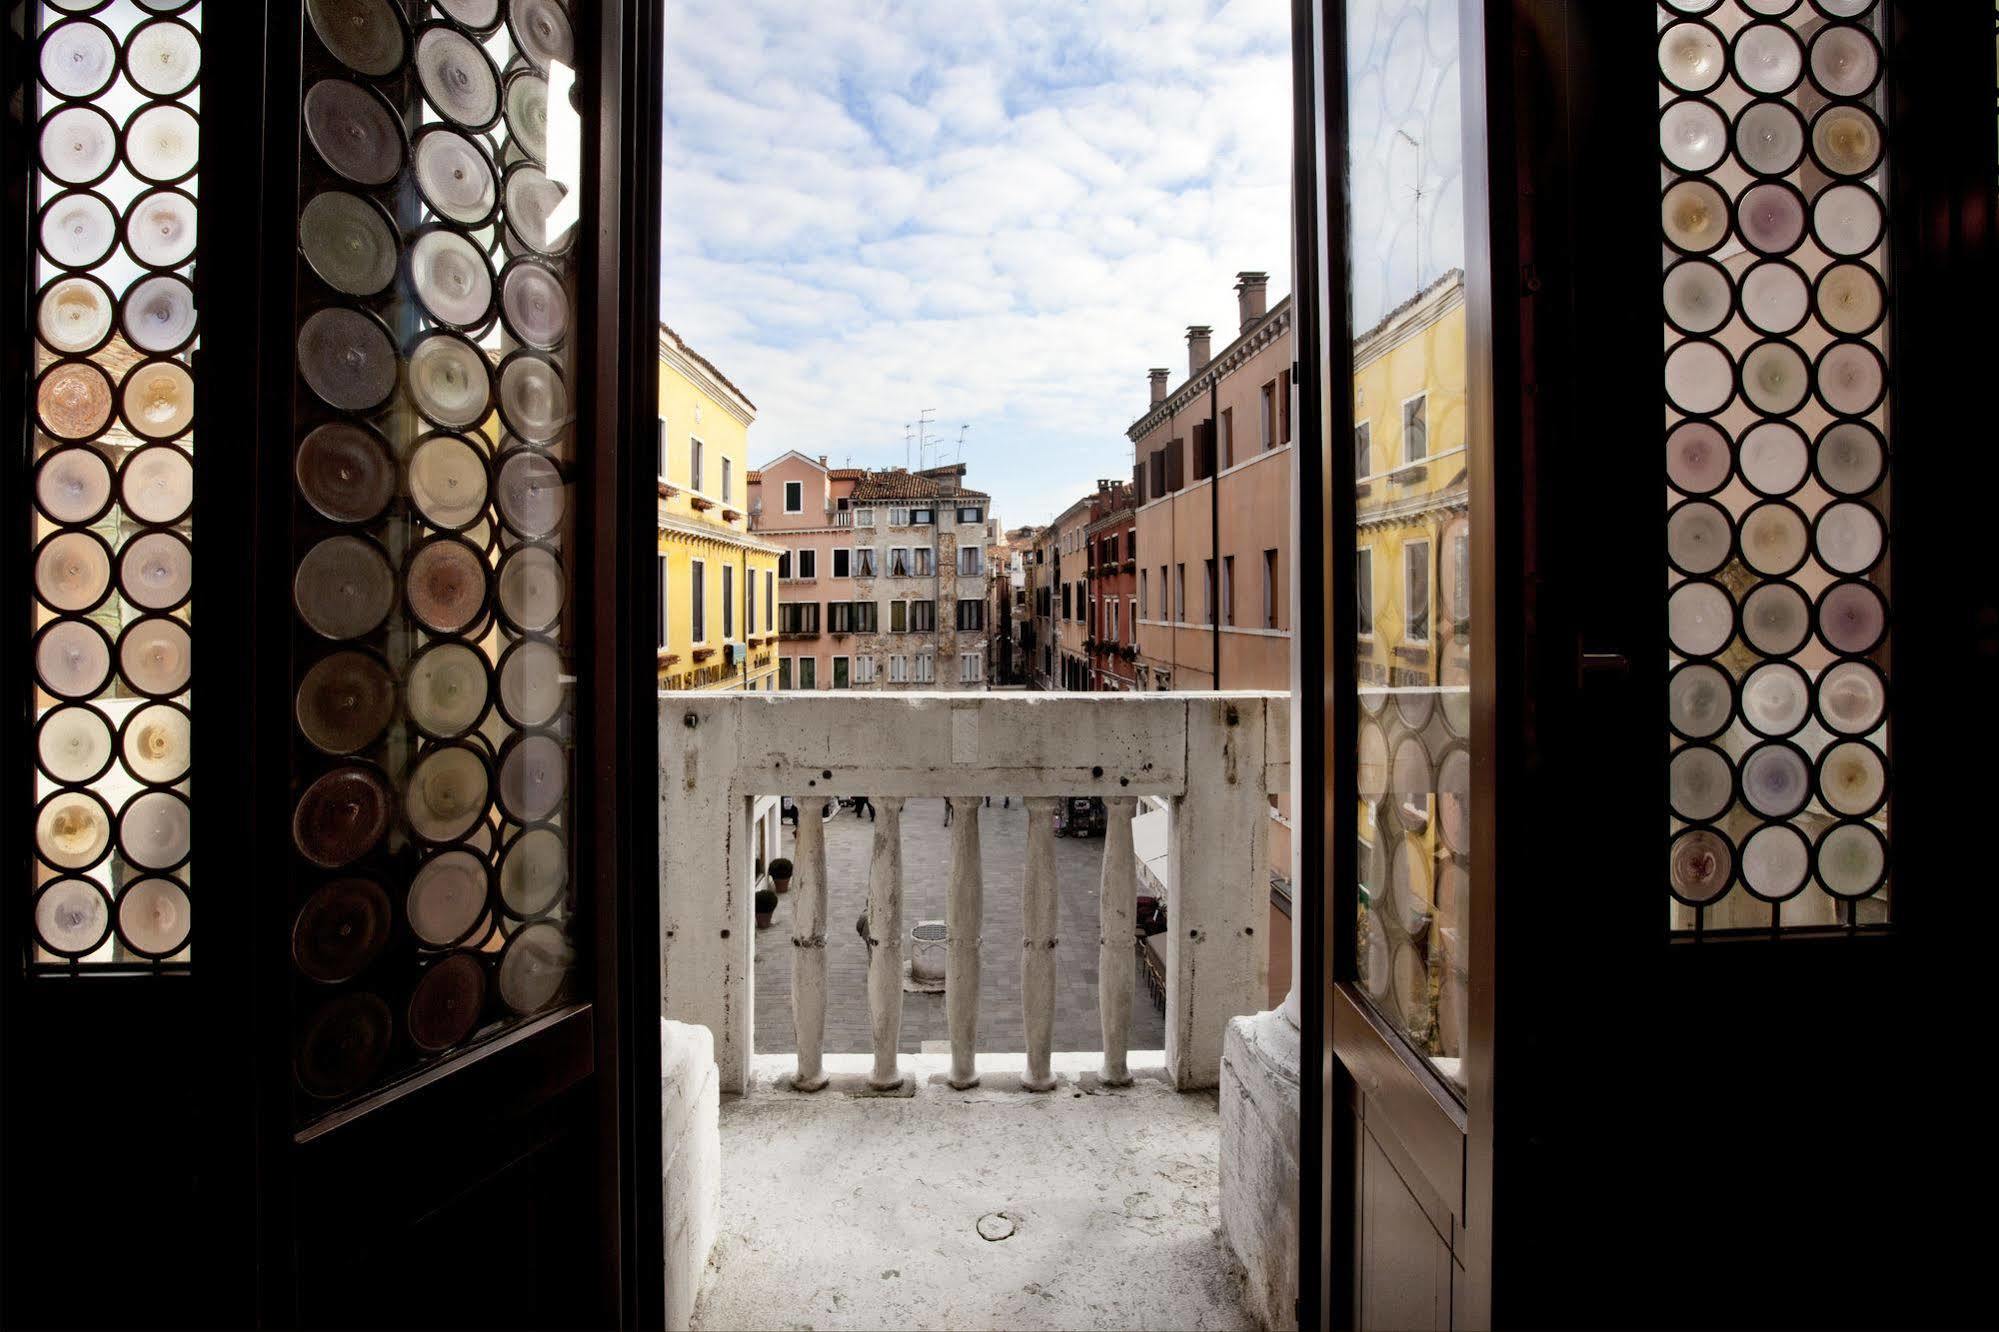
1413, 538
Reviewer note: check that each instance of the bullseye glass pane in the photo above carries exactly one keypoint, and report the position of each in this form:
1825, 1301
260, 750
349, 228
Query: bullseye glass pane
1776, 303
111, 435
439, 268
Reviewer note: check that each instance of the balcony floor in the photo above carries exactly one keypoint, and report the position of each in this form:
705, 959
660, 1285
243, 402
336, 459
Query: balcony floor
843, 1210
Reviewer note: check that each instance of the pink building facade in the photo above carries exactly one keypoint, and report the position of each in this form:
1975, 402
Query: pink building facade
1212, 476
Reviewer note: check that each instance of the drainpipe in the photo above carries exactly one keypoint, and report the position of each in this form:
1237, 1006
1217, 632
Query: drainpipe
1215, 523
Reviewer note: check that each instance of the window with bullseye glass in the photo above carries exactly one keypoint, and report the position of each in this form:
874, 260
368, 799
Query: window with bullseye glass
111, 433
1775, 291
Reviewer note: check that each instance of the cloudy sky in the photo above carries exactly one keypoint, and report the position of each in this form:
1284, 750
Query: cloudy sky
1003, 209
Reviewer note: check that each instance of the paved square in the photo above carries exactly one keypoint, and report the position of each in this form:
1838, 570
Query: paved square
926, 867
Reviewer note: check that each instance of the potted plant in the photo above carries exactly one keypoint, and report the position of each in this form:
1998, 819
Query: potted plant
766, 904
780, 874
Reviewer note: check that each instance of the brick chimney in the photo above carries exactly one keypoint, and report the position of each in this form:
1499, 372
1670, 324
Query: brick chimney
1249, 295
1198, 337
1158, 376
822, 460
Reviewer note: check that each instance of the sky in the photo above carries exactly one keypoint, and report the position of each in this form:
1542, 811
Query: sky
1005, 211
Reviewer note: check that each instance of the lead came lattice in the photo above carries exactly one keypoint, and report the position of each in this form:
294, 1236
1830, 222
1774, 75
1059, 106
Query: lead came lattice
1776, 307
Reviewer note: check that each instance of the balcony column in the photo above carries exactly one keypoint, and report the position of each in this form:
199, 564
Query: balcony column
885, 943
1037, 954
1217, 888
964, 911
1117, 938
808, 942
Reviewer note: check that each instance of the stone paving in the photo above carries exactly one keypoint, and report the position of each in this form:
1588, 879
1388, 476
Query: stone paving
926, 864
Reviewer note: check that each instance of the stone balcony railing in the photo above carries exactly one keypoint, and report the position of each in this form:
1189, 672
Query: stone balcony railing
1214, 758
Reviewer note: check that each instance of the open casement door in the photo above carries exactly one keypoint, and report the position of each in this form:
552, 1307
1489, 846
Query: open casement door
1647, 647
332, 323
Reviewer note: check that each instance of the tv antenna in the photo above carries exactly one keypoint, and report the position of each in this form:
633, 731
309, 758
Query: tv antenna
923, 419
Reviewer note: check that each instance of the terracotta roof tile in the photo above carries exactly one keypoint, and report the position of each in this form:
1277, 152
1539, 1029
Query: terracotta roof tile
900, 485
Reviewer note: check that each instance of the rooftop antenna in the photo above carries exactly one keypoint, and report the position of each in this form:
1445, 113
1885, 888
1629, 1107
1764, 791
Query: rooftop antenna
923, 436
905, 445
961, 442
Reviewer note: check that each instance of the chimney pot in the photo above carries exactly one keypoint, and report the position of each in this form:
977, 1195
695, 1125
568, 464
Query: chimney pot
1158, 376
1198, 338
1250, 290
822, 460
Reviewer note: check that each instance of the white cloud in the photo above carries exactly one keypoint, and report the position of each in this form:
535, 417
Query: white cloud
1004, 210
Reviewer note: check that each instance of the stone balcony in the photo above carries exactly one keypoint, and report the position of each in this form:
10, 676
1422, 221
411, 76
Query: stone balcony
865, 1186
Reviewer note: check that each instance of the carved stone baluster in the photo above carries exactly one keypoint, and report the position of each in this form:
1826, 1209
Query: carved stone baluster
808, 942
1037, 960
963, 912
1117, 935
885, 938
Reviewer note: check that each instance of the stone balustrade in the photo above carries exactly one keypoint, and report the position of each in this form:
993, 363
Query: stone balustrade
1213, 757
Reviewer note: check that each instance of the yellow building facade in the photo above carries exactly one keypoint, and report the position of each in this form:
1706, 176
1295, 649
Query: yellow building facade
1413, 663
716, 611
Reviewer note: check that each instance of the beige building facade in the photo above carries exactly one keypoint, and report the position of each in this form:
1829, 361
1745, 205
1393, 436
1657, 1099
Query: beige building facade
882, 583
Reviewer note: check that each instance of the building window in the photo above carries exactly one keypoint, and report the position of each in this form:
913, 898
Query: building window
784, 672
1131, 617
728, 467
971, 668
850, 617
1363, 443
898, 561
700, 601
794, 497
971, 614
1364, 593
922, 517
841, 558
1270, 587
923, 560
770, 601
1416, 591
1267, 420
659, 447
808, 564
1065, 601
898, 667
1416, 429
1180, 593
749, 602
1228, 589
1115, 636
660, 609
864, 517
808, 671
971, 513
1142, 593
864, 561
922, 617
1208, 591
968, 561
784, 565
1225, 437
1158, 486
926, 667
728, 602
840, 680
898, 617
694, 451
798, 617
898, 517
1284, 407
864, 670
